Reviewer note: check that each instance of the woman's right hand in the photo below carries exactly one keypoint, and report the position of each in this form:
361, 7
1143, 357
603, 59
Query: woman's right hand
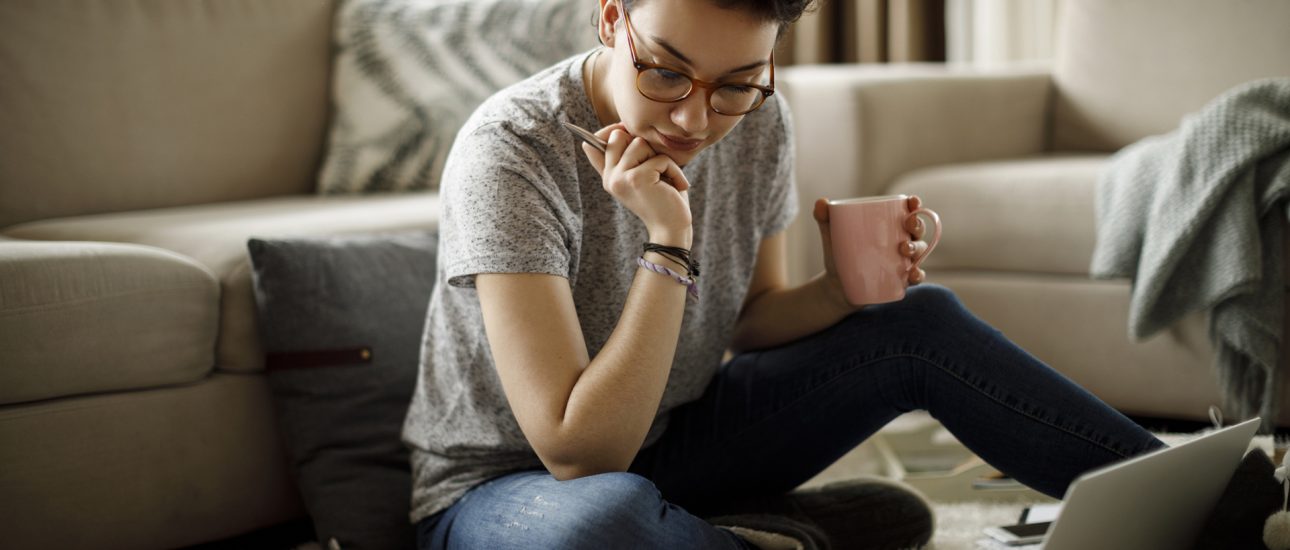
649, 184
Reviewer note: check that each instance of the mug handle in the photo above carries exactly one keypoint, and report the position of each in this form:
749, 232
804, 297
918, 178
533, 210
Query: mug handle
936, 235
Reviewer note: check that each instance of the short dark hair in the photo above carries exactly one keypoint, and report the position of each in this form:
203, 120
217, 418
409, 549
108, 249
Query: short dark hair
782, 12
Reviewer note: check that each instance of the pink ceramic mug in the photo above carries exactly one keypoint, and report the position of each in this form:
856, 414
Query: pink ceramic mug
867, 234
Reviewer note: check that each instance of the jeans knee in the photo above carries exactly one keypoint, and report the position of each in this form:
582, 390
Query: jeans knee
620, 496
932, 296
919, 302
927, 309
607, 507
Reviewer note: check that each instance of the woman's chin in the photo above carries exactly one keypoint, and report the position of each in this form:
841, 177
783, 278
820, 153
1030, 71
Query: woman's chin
681, 158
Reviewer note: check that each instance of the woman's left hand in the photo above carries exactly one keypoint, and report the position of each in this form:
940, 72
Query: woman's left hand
910, 249
915, 246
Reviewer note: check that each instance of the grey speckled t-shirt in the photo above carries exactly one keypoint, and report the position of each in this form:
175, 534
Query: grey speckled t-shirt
519, 196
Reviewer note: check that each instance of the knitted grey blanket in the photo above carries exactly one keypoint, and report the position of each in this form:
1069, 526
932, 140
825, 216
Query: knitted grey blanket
1196, 218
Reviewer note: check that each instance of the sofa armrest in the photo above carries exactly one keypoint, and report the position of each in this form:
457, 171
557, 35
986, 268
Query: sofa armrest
859, 127
81, 318
866, 125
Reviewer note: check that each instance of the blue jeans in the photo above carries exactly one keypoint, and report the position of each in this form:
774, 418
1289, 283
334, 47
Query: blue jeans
772, 419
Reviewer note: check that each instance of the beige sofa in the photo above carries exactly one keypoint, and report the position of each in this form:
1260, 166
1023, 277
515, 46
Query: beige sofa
1010, 157
142, 143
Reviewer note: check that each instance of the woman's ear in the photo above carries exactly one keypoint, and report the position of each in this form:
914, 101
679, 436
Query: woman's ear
607, 21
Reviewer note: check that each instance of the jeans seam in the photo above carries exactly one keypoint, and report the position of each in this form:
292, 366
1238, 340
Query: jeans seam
839, 373
1005, 405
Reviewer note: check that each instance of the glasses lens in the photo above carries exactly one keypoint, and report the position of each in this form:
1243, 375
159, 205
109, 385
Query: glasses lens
732, 99
663, 85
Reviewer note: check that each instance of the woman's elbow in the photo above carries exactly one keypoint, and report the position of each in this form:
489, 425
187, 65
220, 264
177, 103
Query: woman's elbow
575, 471
567, 466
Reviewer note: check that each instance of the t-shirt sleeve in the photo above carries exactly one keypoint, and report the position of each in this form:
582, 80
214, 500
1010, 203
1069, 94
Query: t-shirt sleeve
782, 200
502, 210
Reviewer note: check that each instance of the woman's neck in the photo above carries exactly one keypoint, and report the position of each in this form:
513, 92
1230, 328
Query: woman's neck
595, 74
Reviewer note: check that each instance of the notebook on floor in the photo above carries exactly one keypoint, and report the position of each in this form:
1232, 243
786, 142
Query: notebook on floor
1159, 500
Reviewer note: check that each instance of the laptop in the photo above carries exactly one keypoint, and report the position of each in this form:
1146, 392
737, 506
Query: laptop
1157, 500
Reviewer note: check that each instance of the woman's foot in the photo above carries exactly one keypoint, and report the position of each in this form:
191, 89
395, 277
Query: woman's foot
869, 513
772, 532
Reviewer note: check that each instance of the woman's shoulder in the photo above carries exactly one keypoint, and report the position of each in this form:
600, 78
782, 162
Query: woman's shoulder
517, 132
532, 106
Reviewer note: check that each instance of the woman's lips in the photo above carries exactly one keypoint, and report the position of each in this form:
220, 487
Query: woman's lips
678, 144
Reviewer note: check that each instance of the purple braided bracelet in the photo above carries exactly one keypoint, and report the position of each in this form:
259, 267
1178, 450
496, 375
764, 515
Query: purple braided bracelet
689, 282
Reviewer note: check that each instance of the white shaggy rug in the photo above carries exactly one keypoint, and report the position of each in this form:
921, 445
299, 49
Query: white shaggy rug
959, 525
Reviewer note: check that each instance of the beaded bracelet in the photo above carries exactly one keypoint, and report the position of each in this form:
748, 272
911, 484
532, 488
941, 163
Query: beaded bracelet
689, 282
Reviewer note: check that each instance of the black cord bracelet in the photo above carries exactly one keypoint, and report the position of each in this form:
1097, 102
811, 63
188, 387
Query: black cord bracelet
678, 255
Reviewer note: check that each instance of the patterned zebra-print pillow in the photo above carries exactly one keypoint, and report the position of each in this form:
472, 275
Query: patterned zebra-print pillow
408, 73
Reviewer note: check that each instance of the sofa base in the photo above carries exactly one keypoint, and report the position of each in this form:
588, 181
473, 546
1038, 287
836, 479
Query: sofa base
1167, 376
159, 468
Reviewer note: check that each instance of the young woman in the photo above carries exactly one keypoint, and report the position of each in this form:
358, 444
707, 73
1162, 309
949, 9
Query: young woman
572, 392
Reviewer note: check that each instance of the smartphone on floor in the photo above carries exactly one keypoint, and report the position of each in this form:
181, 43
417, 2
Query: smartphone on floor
1017, 535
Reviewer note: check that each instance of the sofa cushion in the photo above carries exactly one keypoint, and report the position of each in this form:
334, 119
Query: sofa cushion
1127, 70
1027, 215
82, 317
163, 468
120, 105
407, 74
215, 235
341, 319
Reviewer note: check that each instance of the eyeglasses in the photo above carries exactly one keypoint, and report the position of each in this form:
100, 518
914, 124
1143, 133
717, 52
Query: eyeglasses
668, 85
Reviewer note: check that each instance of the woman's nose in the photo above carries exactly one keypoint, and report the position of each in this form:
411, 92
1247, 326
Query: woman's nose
691, 113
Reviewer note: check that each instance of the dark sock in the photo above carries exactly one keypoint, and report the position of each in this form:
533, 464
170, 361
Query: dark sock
1251, 496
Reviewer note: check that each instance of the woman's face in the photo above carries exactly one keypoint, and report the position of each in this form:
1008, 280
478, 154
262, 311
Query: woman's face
695, 38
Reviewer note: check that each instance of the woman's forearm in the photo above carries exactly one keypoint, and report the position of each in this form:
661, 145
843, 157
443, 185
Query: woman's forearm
781, 316
615, 399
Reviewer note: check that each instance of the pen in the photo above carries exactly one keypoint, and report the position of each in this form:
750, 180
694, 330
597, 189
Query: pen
586, 136
596, 142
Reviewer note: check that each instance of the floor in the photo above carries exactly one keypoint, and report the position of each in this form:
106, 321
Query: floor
961, 512
958, 524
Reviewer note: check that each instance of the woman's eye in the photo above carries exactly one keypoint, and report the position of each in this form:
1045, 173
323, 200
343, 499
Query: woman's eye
670, 75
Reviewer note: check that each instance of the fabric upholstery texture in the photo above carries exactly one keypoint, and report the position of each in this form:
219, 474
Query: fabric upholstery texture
407, 74
66, 305
129, 104
215, 235
1127, 70
158, 468
346, 314
1040, 212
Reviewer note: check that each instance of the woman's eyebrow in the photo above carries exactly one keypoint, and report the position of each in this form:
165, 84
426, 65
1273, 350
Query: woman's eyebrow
677, 53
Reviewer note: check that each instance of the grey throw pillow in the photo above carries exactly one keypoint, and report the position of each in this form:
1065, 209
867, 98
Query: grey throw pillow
407, 74
341, 320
